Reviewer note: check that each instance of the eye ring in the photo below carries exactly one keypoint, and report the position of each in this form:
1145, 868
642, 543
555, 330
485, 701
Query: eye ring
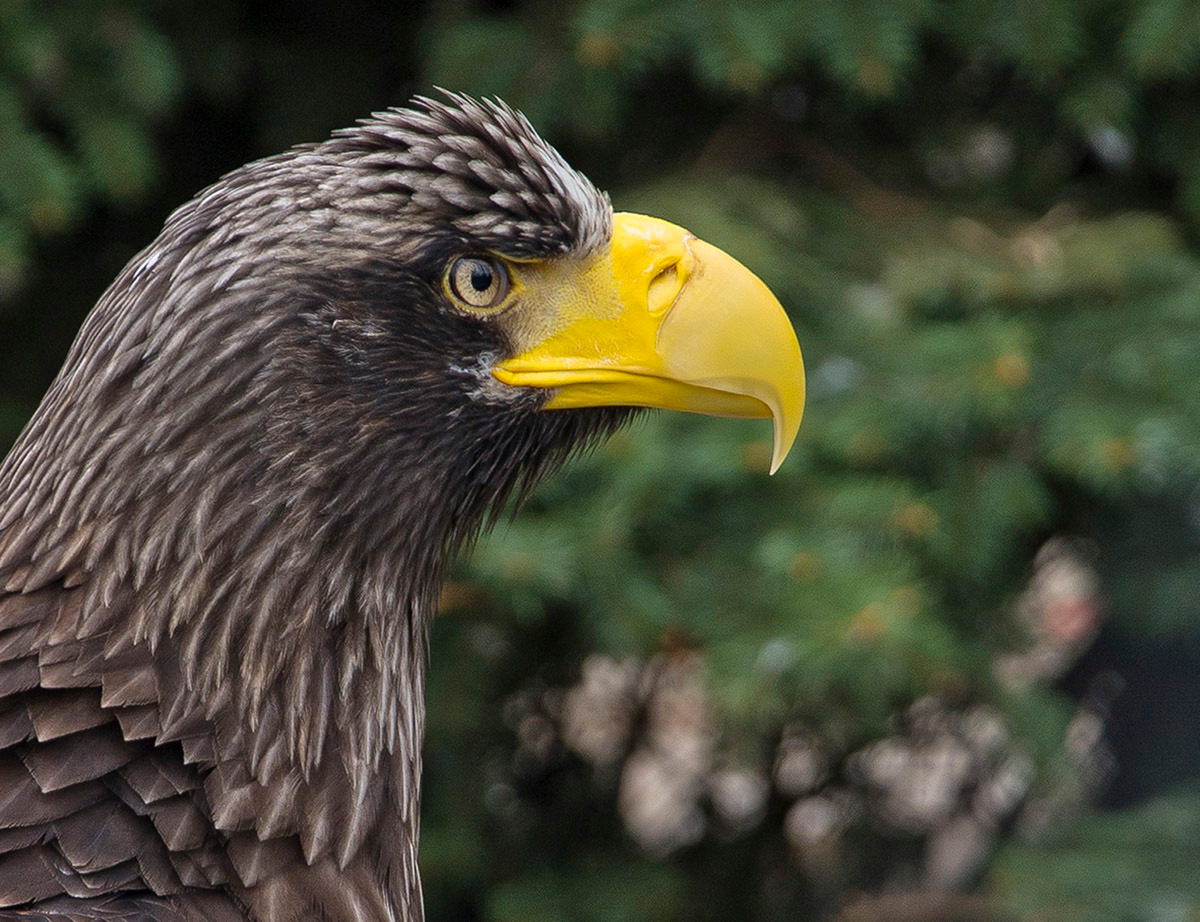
478, 282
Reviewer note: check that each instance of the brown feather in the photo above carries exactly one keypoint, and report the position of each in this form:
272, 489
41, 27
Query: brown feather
16, 642
28, 876
138, 723
157, 775
56, 714
100, 837
85, 756
17, 676
15, 725
181, 824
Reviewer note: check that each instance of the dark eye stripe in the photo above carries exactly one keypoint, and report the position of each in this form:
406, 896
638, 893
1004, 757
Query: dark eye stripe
478, 282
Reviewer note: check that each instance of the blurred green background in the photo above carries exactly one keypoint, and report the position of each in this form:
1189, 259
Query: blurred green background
943, 665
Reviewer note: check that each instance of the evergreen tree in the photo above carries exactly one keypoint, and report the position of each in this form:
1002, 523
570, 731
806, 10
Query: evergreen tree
675, 688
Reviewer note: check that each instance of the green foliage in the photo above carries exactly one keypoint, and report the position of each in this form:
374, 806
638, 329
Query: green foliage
614, 891
981, 216
81, 86
1131, 866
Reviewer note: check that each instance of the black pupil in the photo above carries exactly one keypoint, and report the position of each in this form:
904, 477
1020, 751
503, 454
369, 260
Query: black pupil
481, 276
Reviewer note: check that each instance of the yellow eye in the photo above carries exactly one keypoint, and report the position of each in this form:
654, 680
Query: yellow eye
478, 282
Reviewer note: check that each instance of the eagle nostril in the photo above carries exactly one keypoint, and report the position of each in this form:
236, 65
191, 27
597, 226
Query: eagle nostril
664, 289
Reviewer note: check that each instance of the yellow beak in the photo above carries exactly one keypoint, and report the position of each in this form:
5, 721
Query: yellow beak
662, 319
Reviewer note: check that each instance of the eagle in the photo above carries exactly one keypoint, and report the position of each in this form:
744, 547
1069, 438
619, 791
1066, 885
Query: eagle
223, 530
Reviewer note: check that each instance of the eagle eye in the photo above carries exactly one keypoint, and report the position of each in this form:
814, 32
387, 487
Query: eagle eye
478, 282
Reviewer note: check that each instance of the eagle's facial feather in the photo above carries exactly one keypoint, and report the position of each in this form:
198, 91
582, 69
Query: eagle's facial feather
481, 168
